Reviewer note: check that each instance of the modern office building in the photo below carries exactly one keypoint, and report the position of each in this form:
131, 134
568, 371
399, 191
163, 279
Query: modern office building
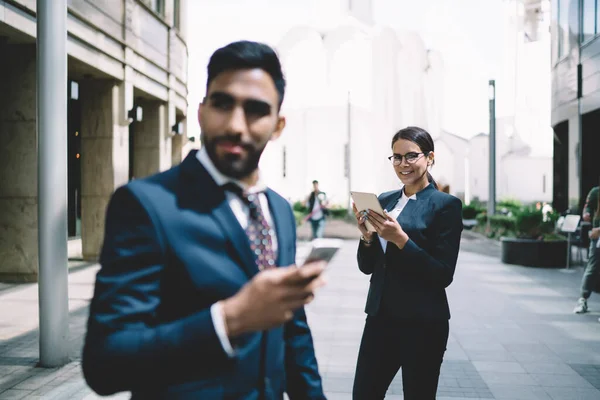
575, 100
127, 71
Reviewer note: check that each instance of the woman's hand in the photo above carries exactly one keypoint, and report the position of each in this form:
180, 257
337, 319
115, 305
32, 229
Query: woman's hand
595, 234
360, 219
388, 228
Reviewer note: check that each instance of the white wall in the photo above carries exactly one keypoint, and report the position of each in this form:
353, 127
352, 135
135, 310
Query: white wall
381, 73
523, 178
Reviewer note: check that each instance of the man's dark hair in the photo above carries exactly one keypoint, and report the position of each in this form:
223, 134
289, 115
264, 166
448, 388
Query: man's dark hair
315, 181
247, 55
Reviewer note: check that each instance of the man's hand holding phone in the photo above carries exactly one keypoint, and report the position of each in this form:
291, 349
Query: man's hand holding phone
271, 297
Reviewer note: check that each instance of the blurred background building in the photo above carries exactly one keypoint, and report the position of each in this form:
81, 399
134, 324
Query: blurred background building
575, 100
127, 106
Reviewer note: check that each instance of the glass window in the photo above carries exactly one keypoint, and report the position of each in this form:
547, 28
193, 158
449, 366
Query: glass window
563, 28
176, 14
158, 6
588, 20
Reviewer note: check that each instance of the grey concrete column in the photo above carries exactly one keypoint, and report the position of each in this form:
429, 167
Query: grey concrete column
177, 145
18, 165
152, 142
104, 156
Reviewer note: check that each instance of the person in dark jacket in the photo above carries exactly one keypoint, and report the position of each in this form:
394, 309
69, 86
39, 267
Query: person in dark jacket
411, 259
198, 296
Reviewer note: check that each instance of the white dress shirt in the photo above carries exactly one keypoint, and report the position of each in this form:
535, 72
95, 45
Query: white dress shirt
402, 202
242, 214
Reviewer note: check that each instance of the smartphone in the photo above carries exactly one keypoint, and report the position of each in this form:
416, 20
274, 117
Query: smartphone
323, 250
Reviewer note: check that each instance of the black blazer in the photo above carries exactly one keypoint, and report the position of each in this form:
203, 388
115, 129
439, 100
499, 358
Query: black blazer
172, 248
410, 283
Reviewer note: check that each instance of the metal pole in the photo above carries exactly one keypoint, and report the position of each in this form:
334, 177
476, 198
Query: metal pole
349, 152
52, 181
568, 250
492, 178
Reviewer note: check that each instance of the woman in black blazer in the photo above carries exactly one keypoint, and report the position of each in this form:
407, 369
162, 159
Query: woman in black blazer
411, 259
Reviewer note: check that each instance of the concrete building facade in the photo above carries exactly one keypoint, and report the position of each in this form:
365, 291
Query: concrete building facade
575, 67
127, 70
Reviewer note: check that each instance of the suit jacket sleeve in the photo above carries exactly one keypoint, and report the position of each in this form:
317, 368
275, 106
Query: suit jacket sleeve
125, 348
369, 256
303, 380
436, 265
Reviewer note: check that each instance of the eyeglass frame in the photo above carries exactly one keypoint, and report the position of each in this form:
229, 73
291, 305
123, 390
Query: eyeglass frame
399, 157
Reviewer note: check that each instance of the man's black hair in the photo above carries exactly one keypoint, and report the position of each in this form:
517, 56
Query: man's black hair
247, 55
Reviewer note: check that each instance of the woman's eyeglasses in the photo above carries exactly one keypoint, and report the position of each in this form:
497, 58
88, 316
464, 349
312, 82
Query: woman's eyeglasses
411, 158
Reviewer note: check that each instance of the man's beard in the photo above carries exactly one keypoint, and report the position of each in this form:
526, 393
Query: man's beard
233, 165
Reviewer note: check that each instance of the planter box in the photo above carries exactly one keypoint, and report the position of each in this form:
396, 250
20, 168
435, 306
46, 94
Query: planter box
534, 253
469, 223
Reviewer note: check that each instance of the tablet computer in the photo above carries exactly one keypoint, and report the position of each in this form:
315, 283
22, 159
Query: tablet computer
367, 201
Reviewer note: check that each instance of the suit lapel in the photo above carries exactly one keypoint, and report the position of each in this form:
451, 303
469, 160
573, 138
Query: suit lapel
198, 191
413, 207
410, 210
392, 200
232, 228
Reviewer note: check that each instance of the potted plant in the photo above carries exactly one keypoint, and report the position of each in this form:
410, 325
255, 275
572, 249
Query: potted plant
535, 242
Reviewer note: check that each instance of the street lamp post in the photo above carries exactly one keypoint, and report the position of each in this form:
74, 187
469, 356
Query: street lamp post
348, 152
52, 181
492, 153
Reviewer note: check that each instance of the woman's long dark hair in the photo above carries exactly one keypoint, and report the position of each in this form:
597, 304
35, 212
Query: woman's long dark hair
421, 138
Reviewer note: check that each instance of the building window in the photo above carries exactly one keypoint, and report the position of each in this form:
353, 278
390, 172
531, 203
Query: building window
589, 27
544, 183
177, 15
563, 28
158, 6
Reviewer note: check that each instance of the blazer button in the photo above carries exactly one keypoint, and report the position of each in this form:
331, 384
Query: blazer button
384, 266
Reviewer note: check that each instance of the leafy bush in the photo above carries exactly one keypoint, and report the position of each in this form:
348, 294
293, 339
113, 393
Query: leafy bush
471, 211
299, 207
508, 206
299, 216
481, 219
338, 212
531, 223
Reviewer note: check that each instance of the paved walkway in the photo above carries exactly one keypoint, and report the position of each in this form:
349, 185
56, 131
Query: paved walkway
513, 334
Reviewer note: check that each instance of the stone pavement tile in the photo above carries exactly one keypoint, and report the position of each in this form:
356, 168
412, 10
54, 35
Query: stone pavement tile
513, 392
590, 373
15, 394
9, 381
498, 366
39, 379
561, 381
489, 355
507, 378
573, 394
548, 368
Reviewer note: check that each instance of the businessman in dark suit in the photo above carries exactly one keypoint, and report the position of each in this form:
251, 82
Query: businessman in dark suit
411, 259
197, 296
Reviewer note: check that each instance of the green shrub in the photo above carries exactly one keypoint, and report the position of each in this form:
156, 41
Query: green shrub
299, 207
531, 224
338, 212
470, 211
299, 216
481, 219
